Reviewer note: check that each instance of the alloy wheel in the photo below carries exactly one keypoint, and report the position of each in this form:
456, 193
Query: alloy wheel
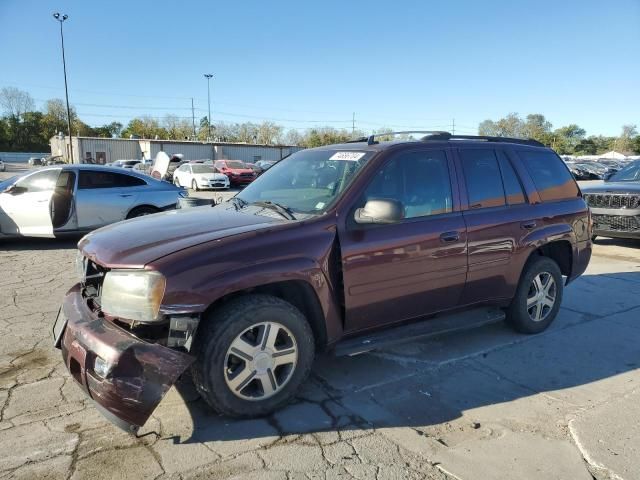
260, 361
541, 296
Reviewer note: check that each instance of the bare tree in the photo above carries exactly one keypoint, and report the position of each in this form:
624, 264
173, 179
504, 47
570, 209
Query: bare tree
15, 102
177, 128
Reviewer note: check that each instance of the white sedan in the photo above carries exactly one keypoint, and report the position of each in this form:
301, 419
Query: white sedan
198, 176
73, 199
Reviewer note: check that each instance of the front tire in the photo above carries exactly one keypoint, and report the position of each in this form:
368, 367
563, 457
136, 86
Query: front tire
194, 186
538, 296
176, 182
252, 354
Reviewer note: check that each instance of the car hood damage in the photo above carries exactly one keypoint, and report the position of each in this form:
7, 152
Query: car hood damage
135, 243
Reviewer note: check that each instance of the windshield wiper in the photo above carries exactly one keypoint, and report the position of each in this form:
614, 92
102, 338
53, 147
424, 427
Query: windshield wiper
238, 202
283, 210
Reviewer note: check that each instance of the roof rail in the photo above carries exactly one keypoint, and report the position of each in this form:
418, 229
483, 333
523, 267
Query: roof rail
371, 139
447, 136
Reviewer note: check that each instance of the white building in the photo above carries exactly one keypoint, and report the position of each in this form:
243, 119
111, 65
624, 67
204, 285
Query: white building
107, 150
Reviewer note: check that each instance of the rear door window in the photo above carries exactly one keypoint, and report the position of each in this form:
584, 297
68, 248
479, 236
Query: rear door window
482, 177
549, 174
90, 179
512, 186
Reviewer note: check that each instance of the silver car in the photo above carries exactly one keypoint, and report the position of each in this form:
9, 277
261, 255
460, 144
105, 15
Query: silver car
58, 200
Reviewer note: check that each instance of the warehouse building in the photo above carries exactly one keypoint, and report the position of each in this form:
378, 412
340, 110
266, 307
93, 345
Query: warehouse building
107, 150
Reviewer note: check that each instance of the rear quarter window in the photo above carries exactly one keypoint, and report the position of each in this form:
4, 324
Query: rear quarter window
551, 178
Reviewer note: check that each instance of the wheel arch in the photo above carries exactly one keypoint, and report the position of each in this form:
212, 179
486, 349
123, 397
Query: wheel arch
557, 242
143, 205
297, 292
560, 251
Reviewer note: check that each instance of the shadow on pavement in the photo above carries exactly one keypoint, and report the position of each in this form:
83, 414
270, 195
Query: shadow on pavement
421, 384
35, 244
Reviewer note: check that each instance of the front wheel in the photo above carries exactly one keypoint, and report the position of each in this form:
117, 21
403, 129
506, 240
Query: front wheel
252, 355
142, 211
194, 186
538, 296
176, 182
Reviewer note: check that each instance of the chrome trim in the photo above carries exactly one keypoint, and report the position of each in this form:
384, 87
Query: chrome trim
182, 308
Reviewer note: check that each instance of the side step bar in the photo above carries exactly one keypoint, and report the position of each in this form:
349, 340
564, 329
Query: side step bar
431, 327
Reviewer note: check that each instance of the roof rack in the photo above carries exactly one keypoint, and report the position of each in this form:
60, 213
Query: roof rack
371, 139
447, 136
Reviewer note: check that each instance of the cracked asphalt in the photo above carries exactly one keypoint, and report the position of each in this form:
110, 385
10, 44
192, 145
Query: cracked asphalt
487, 403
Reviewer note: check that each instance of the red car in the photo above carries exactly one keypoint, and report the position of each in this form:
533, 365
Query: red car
239, 173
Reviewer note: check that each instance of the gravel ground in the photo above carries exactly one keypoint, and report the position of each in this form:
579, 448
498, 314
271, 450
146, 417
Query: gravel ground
483, 404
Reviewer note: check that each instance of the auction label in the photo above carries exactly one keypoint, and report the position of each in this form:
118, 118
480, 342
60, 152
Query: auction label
349, 156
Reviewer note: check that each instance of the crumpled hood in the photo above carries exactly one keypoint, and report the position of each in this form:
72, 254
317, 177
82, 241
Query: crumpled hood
137, 242
612, 187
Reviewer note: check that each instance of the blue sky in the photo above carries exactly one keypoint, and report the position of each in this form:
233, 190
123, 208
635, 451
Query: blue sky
398, 64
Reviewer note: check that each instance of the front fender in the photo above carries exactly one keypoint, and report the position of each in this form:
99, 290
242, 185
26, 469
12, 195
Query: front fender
260, 274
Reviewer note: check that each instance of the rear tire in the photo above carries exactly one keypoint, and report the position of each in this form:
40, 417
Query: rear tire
142, 211
235, 371
538, 297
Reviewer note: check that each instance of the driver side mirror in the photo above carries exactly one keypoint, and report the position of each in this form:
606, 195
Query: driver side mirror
608, 175
15, 190
381, 211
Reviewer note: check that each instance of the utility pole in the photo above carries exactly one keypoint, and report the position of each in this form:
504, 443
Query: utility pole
353, 125
209, 76
453, 127
62, 18
193, 119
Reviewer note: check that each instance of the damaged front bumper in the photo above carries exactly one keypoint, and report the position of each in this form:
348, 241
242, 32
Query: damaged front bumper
125, 376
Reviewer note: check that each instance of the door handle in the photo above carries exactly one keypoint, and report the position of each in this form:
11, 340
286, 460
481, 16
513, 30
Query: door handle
125, 195
42, 201
530, 225
450, 237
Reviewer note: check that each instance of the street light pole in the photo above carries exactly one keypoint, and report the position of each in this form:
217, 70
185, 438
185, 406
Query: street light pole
209, 76
61, 19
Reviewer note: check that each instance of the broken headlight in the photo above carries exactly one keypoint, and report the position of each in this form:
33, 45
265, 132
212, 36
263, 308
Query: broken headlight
81, 266
133, 294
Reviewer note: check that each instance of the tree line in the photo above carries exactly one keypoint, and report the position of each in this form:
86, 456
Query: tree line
568, 140
25, 128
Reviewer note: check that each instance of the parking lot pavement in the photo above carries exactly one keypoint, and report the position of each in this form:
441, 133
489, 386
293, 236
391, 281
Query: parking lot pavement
487, 403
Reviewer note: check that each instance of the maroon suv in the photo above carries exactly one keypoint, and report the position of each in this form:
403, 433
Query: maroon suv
343, 247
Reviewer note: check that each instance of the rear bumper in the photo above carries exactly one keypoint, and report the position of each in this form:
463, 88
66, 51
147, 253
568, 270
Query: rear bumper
140, 373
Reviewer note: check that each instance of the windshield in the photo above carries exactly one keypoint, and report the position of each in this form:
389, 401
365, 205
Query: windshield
630, 173
236, 164
308, 181
199, 168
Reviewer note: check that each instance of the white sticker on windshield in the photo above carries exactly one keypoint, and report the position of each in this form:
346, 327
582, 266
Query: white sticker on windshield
348, 156
319, 205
